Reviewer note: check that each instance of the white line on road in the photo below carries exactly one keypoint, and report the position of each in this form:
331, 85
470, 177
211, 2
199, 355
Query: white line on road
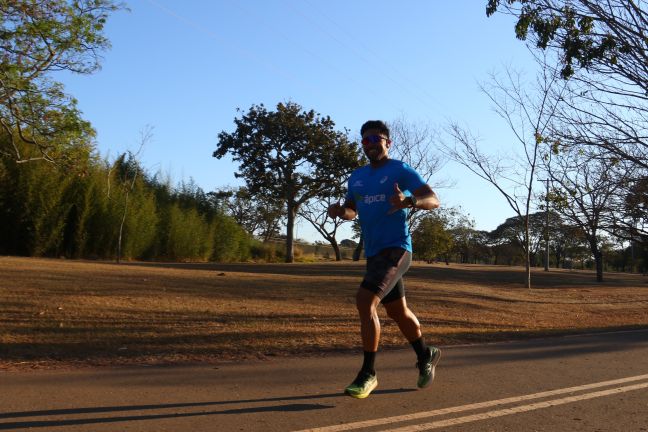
479, 405
516, 410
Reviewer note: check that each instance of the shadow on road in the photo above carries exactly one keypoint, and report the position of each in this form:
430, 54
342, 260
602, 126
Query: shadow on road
559, 347
294, 407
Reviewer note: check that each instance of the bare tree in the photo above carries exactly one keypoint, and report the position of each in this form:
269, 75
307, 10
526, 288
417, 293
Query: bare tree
602, 49
584, 184
417, 145
132, 171
595, 112
316, 213
528, 111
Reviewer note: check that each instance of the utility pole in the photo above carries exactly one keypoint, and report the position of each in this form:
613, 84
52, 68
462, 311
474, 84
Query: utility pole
546, 261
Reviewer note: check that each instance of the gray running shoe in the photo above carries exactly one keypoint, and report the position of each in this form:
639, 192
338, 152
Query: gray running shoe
426, 368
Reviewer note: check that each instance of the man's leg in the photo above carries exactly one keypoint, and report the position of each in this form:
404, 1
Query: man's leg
383, 271
407, 322
411, 328
366, 381
367, 303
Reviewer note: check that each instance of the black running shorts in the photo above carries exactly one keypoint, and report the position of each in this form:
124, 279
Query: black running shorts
384, 273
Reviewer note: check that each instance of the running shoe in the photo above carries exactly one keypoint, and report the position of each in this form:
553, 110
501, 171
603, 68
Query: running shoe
362, 386
426, 367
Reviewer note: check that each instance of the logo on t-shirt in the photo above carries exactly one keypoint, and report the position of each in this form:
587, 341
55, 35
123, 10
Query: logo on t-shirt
383, 180
358, 183
370, 199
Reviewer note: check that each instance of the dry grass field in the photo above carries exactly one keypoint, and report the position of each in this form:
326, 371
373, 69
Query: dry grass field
60, 313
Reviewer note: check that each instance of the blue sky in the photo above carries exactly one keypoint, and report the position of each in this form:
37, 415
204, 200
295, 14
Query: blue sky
183, 67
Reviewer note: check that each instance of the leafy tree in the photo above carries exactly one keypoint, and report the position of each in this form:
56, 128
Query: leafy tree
431, 239
84, 195
480, 246
461, 229
231, 241
190, 237
141, 223
38, 38
348, 243
34, 208
259, 215
605, 36
568, 244
98, 238
630, 220
513, 231
46, 210
290, 155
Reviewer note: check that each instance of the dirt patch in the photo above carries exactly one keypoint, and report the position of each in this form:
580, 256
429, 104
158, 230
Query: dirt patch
60, 313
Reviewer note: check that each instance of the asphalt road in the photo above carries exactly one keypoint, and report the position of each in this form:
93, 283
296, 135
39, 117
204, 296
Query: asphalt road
582, 383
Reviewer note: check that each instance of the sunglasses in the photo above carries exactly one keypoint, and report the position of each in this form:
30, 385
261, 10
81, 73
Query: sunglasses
373, 139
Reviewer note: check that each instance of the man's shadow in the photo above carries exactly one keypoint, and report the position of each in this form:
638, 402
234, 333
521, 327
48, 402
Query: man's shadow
294, 407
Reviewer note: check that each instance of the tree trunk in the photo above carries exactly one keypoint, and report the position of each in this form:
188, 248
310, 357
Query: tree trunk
527, 246
121, 230
358, 250
558, 257
336, 249
528, 270
290, 228
598, 258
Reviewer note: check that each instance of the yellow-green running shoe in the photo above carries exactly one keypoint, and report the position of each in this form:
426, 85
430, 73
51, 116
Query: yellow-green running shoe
426, 368
362, 386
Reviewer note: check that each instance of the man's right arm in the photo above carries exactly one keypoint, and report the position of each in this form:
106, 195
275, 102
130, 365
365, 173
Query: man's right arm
346, 211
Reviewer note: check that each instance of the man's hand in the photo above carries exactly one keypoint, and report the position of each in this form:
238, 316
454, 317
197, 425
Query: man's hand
398, 200
336, 210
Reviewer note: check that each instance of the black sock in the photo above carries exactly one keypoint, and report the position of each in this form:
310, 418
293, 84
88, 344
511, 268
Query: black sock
368, 363
420, 348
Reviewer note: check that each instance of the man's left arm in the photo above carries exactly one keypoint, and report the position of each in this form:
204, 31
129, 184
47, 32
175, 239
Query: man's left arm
425, 198
422, 198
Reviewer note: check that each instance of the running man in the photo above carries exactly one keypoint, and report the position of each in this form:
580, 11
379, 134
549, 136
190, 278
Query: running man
381, 194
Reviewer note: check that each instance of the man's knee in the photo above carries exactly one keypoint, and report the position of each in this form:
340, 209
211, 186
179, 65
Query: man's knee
366, 303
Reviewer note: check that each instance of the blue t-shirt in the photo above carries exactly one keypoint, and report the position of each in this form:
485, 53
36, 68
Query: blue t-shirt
370, 189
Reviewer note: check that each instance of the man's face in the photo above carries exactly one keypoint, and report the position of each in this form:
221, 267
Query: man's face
375, 145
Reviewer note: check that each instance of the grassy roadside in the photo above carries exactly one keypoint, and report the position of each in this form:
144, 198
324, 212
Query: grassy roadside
58, 313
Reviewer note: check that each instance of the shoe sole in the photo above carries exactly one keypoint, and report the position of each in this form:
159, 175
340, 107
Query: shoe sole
362, 395
435, 362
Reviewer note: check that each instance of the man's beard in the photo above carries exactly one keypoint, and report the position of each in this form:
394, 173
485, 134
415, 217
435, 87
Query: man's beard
374, 155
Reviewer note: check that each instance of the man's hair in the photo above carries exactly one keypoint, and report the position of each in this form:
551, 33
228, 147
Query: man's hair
375, 124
